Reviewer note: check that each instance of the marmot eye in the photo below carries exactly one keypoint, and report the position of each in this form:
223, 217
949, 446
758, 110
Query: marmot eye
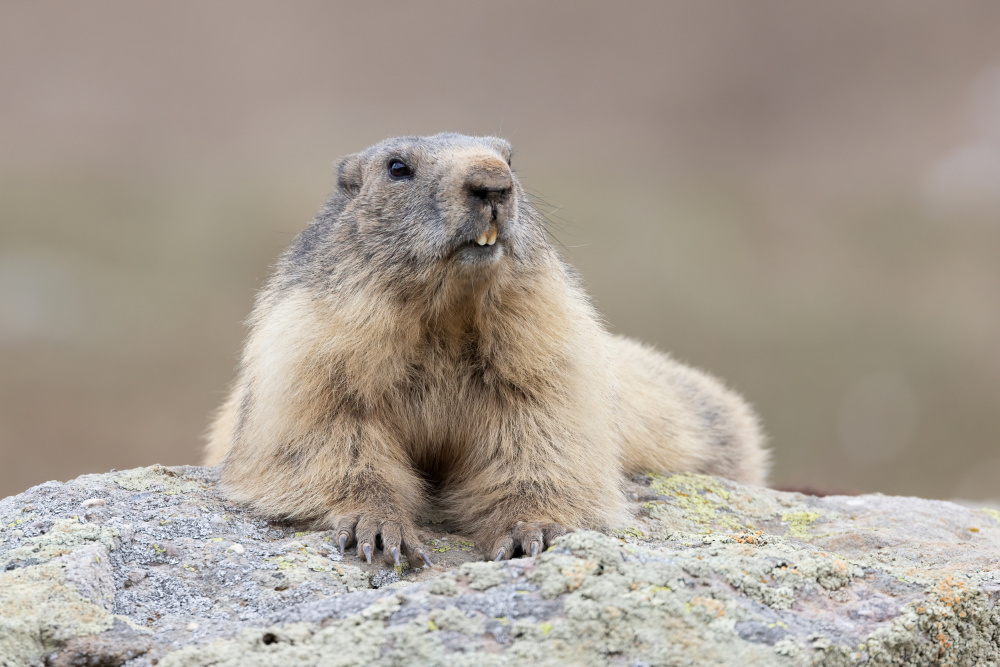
399, 169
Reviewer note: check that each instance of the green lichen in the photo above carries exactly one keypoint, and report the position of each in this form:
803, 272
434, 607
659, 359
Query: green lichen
632, 532
282, 562
640, 609
800, 523
693, 499
353, 577
352, 641
155, 477
482, 575
63, 536
787, 647
993, 513
561, 574
456, 620
684, 483
40, 611
444, 585
446, 544
677, 592
955, 625
383, 608
772, 573
297, 554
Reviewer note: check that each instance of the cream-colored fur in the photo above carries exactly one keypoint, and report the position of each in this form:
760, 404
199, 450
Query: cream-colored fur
677, 418
393, 359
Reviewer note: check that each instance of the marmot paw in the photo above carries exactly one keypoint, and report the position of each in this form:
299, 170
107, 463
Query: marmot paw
397, 537
529, 537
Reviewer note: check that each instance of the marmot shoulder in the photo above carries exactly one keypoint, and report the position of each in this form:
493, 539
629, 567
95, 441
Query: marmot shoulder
421, 338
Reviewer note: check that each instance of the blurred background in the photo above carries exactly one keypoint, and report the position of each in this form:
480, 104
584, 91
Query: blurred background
803, 198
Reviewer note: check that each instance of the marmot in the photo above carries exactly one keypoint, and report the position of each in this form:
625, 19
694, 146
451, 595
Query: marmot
422, 339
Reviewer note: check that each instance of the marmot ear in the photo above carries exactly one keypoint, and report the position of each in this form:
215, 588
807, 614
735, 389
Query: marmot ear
349, 175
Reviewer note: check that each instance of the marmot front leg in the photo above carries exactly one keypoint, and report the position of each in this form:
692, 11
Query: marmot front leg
350, 476
397, 535
529, 537
522, 488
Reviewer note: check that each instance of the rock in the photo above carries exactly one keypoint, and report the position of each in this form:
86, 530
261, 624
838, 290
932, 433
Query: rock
710, 572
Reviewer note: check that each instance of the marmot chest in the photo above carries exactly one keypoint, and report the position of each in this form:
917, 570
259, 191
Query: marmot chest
452, 398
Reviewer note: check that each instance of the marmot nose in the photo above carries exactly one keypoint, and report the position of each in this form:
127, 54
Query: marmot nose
490, 183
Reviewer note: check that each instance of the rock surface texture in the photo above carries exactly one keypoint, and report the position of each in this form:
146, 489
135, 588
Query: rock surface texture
152, 567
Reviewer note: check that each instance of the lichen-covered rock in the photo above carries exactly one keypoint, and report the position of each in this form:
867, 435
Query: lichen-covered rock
152, 566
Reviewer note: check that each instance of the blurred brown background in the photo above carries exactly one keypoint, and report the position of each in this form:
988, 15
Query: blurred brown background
803, 198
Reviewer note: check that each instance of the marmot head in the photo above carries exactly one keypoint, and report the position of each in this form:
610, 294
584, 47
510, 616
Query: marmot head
426, 207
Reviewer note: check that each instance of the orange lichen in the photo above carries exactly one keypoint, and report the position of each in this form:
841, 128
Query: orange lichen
576, 574
951, 592
713, 607
755, 538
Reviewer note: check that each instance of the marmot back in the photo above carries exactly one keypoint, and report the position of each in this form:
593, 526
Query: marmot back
422, 338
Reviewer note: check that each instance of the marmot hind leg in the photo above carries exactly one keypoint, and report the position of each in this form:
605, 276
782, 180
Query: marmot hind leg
223, 429
676, 418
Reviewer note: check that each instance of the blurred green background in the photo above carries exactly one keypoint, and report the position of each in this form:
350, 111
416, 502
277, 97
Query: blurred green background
803, 198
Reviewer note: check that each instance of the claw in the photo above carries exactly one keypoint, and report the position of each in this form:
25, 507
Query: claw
395, 557
427, 560
368, 553
534, 549
343, 544
499, 555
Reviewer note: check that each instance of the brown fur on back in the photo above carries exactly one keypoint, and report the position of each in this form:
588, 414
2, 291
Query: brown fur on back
392, 358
